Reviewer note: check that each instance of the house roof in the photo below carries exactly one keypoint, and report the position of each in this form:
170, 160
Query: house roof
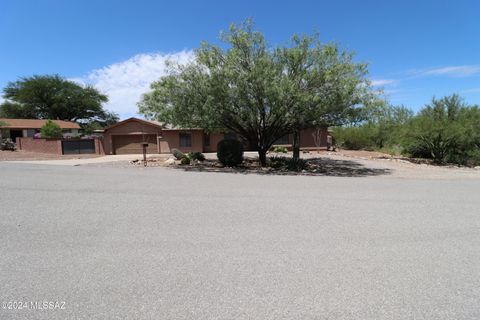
35, 123
149, 122
163, 126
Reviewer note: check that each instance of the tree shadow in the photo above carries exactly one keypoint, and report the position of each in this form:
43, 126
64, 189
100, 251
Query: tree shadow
316, 167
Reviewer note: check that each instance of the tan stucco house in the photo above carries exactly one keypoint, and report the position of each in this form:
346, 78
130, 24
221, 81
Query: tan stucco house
126, 137
15, 128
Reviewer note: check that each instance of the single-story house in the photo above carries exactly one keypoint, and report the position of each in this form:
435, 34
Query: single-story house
15, 128
126, 137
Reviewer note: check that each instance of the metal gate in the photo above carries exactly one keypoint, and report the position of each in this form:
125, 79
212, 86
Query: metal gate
78, 146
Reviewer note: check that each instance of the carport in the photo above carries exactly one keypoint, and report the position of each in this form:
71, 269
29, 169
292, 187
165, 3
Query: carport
126, 137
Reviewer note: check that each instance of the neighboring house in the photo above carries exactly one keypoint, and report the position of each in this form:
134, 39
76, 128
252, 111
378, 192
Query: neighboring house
126, 137
15, 128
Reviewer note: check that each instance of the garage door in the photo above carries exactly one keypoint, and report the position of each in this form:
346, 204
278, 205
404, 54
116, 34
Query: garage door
131, 144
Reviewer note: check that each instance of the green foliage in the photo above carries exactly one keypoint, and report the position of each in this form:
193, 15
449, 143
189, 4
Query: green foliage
230, 152
51, 130
179, 155
198, 156
52, 97
384, 129
259, 92
280, 149
446, 130
288, 164
185, 161
110, 118
7, 145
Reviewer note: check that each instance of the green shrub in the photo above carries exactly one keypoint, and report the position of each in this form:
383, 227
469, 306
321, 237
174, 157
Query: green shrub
196, 156
51, 130
230, 152
7, 145
280, 149
185, 160
179, 155
355, 138
287, 163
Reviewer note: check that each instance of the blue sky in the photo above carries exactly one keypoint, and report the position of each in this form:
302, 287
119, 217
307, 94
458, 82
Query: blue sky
415, 49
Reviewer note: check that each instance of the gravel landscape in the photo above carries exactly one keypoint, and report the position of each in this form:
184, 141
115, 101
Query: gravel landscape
127, 242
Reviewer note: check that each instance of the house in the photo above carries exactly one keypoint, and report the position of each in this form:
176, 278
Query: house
126, 137
15, 128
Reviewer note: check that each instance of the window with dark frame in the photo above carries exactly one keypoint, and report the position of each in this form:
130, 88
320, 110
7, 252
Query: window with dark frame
206, 140
185, 139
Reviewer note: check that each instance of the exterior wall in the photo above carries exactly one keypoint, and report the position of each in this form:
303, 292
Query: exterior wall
313, 138
53, 146
128, 128
99, 149
70, 133
215, 138
170, 139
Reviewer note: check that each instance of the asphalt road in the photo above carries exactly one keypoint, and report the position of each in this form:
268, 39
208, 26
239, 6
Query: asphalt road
156, 243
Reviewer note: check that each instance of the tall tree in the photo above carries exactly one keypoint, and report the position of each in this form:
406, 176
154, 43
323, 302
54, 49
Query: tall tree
52, 97
323, 85
260, 93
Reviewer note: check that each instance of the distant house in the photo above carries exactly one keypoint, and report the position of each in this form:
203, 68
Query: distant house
14, 128
126, 137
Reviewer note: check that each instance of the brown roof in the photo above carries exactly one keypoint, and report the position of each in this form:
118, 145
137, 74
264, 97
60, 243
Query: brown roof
149, 122
35, 124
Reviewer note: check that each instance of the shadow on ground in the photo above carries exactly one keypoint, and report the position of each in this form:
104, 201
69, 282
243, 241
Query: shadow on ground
317, 167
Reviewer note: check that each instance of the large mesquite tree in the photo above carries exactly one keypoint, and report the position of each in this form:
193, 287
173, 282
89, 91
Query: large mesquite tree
258, 92
53, 97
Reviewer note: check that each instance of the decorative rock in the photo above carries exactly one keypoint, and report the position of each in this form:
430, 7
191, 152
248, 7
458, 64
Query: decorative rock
170, 162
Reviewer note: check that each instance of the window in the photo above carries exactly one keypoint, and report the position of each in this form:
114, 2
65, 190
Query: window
282, 140
185, 139
206, 140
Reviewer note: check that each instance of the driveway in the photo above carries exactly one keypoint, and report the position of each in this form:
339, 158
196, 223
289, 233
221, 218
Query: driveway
158, 243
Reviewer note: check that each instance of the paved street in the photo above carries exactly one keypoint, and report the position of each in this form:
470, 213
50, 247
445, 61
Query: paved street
158, 243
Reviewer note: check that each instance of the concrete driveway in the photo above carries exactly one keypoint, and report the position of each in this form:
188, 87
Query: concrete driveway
156, 243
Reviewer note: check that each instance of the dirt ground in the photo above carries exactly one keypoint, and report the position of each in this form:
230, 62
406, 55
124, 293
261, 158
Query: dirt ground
23, 155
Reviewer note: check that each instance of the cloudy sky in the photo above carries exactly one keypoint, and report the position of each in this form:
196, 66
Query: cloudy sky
415, 50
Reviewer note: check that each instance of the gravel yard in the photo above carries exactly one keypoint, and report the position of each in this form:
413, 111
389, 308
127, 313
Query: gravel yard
126, 242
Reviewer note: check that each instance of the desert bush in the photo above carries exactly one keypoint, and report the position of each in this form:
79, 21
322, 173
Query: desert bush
446, 131
51, 130
230, 152
185, 160
287, 163
179, 155
196, 156
7, 144
280, 149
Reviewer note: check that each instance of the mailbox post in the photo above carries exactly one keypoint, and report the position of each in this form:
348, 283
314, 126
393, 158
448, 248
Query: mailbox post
144, 147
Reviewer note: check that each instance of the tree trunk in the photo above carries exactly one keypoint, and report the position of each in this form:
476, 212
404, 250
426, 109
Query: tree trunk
262, 156
296, 145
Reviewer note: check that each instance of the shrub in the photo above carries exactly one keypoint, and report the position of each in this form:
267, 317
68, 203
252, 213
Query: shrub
7, 144
280, 149
196, 156
51, 130
287, 163
230, 152
179, 155
354, 138
185, 160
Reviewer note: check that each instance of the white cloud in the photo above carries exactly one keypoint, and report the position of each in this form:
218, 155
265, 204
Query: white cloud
382, 82
125, 82
452, 71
